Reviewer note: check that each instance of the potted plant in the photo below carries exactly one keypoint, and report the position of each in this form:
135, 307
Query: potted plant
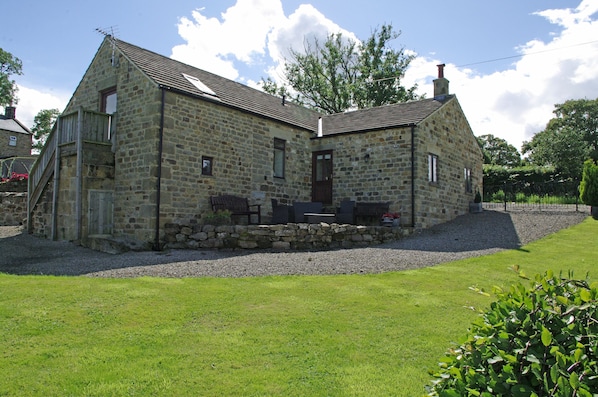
391, 219
476, 206
588, 189
220, 217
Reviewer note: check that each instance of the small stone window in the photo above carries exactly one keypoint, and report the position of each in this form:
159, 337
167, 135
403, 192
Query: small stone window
432, 168
279, 160
207, 164
467, 178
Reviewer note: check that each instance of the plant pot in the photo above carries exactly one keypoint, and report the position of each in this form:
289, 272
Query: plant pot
475, 208
387, 221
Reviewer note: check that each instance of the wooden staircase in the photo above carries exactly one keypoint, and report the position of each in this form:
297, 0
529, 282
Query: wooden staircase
67, 137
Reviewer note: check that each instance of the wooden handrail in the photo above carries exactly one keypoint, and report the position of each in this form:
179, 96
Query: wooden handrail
94, 126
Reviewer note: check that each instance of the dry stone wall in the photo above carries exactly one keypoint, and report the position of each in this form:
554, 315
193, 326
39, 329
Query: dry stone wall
13, 208
292, 236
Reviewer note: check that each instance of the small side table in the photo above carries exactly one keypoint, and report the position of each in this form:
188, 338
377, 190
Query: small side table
313, 217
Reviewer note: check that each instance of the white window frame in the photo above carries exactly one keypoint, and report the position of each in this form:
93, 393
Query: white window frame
432, 168
468, 181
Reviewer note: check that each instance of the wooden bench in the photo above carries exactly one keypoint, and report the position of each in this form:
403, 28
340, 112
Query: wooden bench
238, 206
371, 211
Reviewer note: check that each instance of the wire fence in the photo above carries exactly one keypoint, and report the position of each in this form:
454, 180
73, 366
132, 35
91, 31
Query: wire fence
16, 165
534, 196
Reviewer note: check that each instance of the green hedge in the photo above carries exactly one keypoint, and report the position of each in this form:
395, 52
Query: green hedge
536, 341
495, 175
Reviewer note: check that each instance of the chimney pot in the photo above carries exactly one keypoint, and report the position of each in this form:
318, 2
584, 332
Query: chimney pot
441, 70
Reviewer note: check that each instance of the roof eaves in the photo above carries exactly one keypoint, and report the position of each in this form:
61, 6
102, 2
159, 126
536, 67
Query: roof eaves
363, 131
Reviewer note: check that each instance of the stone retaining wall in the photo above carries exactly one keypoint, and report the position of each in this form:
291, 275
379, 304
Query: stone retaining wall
13, 208
281, 237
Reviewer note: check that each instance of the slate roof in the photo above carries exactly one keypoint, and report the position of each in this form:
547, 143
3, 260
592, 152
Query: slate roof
12, 125
168, 73
387, 116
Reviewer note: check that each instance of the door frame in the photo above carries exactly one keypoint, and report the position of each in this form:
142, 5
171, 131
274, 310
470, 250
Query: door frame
322, 166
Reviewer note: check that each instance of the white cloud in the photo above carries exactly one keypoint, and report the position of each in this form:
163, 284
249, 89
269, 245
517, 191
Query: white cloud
515, 104
248, 32
32, 100
303, 26
214, 44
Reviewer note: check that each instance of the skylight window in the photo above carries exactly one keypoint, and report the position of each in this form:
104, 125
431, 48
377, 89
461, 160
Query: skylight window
199, 85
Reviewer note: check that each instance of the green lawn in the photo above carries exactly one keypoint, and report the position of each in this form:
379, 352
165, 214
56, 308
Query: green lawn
357, 335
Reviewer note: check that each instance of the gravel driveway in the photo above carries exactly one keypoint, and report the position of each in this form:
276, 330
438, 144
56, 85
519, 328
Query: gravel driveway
467, 236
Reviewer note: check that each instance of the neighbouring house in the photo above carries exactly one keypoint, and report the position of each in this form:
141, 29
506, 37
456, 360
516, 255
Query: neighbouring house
15, 145
15, 138
145, 141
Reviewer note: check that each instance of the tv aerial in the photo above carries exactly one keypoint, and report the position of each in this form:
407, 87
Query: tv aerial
110, 34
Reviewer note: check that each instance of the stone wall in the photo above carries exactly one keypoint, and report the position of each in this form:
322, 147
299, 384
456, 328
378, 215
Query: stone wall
13, 208
372, 167
242, 148
448, 135
136, 135
292, 236
376, 166
40, 221
240, 144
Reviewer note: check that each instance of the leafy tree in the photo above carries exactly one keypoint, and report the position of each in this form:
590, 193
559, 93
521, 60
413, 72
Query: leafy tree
568, 139
498, 151
42, 126
9, 65
341, 74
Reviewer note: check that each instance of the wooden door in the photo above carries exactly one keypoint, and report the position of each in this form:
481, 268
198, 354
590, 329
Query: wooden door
101, 205
322, 176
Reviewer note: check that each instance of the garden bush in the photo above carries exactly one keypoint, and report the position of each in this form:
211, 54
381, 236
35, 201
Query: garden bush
588, 188
536, 341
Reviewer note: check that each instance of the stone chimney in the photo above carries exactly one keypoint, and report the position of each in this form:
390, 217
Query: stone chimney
441, 85
10, 112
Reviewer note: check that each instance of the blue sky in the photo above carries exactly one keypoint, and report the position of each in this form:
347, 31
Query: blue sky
552, 45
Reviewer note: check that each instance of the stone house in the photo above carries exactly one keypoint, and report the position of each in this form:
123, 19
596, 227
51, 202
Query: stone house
15, 144
146, 140
15, 138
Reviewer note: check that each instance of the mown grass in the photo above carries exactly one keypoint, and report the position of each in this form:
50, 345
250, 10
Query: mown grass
357, 335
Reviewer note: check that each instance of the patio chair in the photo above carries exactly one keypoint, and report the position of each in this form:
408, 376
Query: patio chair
346, 212
280, 213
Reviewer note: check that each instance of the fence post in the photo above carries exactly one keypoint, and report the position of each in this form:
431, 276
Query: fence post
505, 195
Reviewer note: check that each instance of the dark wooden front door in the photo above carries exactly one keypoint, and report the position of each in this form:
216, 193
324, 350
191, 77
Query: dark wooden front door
322, 177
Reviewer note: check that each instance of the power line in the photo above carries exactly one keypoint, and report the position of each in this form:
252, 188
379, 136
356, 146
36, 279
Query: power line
504, 58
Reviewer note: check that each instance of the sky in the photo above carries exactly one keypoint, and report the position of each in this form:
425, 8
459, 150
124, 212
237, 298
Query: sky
508, 62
